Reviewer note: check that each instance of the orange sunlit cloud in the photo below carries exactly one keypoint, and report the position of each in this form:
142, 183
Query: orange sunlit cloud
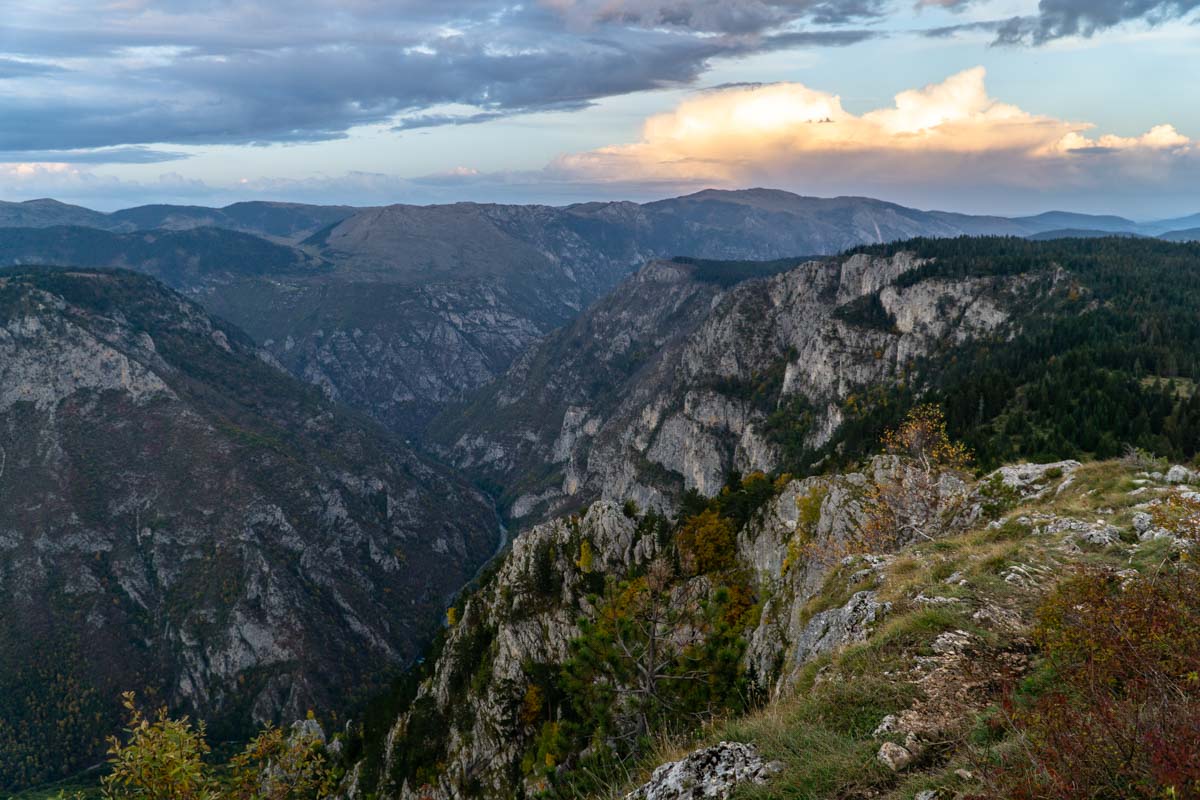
953, 130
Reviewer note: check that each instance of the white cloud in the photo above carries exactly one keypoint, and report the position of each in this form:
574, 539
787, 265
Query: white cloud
951, 134
1158, 138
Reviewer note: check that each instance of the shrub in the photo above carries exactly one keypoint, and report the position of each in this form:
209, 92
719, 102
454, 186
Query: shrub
808, 509
998, 497
546, 580
586, 557
162, 758
165, 759
911, 503
706, 543
532, 705
1180, 515
279, 766
1119, 715
741, 499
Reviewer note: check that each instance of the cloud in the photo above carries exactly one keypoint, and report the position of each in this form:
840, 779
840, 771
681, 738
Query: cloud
718, 16
107, 155
944, 140
1059, 19
13, 68
196, 72
32, 179
946, 145
193, 72
417, 121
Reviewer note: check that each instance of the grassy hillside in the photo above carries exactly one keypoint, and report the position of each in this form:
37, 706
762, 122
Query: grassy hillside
988, 662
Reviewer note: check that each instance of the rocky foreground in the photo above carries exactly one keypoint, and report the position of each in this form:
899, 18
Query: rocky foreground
875, 671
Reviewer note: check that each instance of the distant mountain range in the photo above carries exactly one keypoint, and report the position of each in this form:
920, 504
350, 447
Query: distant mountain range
1188, 235
295, 222
399, 310
285, 221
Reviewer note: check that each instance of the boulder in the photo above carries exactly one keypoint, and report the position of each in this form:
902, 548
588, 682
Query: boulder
837, 627
709, 773
1031, 479
1100, 535
894, 756
1181, 474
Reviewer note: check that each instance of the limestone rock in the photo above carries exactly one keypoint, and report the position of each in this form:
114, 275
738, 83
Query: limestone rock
658, 362
895, 757
165, 491
1181, 474
1100, 535
838, 627
1031, 480
708, 774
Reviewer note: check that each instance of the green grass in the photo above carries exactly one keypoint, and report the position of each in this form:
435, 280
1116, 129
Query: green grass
88, 786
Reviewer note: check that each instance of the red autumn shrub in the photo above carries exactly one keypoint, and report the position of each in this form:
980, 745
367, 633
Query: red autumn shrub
1120, 717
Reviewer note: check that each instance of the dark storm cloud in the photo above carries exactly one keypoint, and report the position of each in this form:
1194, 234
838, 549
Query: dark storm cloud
721, 16
1058, 19
948, 31
418, 121
220, 71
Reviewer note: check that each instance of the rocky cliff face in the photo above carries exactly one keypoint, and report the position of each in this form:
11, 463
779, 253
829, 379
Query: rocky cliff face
522, 271
675, 380
476, 721
180, 517
956, 616
428, 303
516, 629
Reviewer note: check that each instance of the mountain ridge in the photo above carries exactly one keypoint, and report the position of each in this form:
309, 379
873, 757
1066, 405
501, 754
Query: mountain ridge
485, 281
670, 383
182, 515
238, 215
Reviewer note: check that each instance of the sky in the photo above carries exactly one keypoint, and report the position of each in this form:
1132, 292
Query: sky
981, 106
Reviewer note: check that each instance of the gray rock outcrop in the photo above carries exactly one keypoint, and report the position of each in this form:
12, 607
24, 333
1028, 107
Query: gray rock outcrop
709, 774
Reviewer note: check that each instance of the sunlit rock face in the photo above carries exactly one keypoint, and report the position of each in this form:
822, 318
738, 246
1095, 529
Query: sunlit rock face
669, 383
